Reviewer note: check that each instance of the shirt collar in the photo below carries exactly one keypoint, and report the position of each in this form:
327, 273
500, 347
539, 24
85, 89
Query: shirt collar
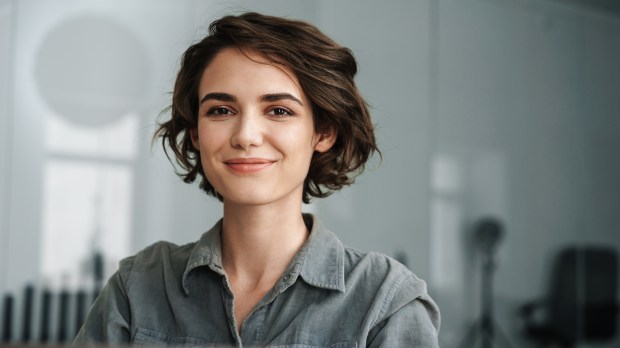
319, 262
206, 252
322, 257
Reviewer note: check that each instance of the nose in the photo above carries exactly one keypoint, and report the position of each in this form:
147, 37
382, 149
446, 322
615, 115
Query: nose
248, 132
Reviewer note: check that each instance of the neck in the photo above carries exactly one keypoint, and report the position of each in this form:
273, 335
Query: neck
259, 242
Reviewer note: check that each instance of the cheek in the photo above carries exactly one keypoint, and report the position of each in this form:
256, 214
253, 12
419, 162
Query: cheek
211, 139
297, 142
302, 156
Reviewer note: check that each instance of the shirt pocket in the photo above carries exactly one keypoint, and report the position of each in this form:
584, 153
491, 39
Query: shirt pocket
335, 345
146, 337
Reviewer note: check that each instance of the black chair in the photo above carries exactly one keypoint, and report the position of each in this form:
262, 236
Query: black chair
582, 305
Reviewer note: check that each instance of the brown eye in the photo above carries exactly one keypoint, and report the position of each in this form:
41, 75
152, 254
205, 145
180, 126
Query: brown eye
219, 111
280, 112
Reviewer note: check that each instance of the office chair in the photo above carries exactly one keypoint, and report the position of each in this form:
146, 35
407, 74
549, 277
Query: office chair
582, 305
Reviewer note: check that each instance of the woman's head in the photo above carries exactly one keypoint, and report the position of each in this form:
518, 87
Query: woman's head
325, 71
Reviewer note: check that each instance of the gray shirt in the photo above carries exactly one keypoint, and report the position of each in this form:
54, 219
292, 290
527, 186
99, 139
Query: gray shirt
330, 296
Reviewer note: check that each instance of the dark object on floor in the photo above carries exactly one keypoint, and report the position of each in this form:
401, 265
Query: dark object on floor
582, 304
7, 330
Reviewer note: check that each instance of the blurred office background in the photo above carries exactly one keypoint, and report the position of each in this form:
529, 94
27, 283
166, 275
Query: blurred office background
497, 109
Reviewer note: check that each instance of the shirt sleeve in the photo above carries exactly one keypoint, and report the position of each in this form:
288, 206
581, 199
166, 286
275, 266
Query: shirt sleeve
108, 321
411, 320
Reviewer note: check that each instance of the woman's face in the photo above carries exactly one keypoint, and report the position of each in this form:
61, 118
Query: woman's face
255, 129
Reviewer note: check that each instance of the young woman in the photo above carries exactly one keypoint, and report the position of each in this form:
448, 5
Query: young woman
266, 115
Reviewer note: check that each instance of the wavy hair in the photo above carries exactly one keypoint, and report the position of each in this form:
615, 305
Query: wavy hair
326, 73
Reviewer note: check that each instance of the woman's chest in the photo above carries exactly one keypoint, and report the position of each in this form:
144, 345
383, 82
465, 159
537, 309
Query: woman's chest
297, 317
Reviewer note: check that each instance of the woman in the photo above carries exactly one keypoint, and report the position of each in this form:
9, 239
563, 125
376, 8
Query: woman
266, 115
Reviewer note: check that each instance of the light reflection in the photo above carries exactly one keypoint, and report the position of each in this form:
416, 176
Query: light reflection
86, 205
117, 140
87, 197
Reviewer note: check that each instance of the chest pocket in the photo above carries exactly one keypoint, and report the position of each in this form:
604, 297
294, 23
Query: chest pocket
145, 337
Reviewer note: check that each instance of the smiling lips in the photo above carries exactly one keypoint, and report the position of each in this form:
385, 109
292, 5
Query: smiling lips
248, 165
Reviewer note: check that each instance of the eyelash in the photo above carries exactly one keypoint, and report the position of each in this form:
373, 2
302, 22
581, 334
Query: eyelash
284, 112
220, 111
217, 111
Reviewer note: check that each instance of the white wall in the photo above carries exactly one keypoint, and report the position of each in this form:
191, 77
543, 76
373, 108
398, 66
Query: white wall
527, 121
386, 209
506, 108
6, 40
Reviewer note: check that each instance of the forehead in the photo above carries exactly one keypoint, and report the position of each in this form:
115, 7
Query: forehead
247, 70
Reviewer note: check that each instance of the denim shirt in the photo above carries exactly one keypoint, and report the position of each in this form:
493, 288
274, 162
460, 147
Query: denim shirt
330, 296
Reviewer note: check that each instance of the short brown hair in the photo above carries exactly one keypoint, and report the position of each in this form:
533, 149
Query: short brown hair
325, 71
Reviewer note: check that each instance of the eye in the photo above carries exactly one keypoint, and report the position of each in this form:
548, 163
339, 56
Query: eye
219, 111
280, 112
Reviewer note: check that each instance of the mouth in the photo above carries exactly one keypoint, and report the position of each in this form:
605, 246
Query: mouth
248, 165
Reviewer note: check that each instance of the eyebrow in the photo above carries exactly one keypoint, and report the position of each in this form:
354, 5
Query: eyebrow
218, 96
265, 98
280, 96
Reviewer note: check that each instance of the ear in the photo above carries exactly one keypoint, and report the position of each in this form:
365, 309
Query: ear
325, 140
193, 134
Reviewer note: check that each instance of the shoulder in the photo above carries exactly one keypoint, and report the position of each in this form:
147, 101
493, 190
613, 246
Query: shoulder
156, 254
156, 251
155, 262
379, 268
393, 286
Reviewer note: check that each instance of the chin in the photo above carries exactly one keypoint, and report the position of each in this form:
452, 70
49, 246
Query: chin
248, 201
248, 197
260, 197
